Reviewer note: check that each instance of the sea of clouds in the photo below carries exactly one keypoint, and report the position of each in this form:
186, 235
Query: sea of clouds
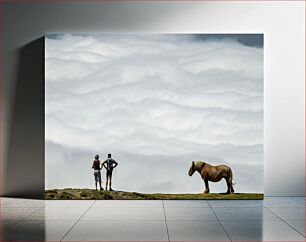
156, 102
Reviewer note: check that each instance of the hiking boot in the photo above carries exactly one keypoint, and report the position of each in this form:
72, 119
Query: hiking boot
101, 189
111, 189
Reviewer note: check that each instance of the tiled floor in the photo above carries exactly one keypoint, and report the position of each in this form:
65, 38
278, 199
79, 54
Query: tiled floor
274, 219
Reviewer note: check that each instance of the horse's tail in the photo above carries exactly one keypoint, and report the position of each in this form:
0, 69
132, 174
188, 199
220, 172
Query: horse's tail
231, 177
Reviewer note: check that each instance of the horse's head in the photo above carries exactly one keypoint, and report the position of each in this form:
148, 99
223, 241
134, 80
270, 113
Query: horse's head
191, 169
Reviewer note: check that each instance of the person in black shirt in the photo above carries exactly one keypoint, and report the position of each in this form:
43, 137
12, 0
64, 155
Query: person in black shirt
109, 165
96, 165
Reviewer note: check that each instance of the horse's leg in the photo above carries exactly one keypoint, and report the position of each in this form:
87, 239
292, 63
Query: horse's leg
231, 186
206, 186
230, 180
228, 186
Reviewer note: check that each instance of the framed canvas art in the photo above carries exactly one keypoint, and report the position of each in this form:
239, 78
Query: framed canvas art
154, 116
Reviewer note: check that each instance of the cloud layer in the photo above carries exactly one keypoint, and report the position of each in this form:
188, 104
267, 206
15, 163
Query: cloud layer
156, 102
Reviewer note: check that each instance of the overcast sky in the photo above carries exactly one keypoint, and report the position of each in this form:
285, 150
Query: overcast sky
156, 102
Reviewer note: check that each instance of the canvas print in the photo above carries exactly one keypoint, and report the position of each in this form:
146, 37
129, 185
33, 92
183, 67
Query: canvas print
154, 116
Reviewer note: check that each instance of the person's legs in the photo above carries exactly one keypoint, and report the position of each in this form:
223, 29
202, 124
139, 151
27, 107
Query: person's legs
106, 180
96, 180
100, 180
110, 181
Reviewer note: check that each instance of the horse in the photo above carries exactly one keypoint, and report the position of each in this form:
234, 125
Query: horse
213, 174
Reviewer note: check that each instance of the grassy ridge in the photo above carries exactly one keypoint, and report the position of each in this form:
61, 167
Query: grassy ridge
88, 194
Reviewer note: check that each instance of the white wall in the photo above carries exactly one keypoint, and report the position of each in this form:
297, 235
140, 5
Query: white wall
282, 22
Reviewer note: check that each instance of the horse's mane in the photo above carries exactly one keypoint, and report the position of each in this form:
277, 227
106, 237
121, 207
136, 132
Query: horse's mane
199, 165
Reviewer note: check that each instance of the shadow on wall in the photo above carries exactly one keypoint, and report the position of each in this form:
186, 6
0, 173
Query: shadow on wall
24, 169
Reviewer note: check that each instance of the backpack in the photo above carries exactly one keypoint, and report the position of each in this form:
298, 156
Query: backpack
96, 165
110, 164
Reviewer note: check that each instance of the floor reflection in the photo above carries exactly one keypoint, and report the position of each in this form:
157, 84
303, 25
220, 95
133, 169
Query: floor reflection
275, 219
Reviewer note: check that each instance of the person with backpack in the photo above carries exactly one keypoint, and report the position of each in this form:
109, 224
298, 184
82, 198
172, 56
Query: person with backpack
96, 165
109, 165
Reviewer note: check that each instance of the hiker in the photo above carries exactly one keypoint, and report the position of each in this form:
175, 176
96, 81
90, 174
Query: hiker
96, 165
109, 165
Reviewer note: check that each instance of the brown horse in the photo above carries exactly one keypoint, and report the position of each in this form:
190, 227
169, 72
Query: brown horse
213, 173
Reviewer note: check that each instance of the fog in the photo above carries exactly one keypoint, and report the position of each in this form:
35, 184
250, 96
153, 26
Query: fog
156, 102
